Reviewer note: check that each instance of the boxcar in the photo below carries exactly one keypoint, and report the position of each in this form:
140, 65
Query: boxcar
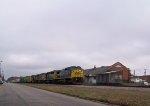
22, 79
28, 79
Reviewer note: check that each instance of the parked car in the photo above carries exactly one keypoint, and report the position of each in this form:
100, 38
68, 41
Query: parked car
146, 83
1, 82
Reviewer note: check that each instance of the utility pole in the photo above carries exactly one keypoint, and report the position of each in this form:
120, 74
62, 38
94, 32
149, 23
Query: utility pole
94, 66
145, 74
1, 70
3, 75
134, 73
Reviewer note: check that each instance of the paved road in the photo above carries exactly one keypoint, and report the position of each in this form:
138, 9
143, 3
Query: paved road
21, 95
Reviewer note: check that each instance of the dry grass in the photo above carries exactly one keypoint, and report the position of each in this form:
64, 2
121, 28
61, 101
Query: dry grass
112, 96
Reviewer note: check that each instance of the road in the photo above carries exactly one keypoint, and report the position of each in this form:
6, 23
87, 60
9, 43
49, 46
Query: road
21, 95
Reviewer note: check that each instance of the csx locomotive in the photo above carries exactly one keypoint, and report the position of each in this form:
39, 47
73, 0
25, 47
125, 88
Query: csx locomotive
69, 75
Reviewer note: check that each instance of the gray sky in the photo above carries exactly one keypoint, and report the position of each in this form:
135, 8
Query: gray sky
41, 35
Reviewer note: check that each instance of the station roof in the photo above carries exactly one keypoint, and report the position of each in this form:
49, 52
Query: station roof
95, 71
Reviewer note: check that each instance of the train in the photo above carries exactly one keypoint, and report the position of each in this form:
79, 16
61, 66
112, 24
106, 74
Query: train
69, 75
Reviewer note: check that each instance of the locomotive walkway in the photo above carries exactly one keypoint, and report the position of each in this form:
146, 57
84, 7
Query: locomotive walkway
21, 95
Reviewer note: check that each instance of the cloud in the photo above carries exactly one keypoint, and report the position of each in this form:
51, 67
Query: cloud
39, 36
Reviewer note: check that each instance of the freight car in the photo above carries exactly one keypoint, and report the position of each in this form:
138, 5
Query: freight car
26, 79
22, 80
29, 79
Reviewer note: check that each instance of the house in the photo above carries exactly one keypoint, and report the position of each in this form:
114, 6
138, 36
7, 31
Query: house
116, 73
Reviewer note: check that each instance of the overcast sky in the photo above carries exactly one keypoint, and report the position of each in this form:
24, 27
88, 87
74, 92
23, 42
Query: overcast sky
41, 35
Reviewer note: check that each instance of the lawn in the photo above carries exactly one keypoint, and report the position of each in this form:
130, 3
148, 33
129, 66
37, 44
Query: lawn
112, 96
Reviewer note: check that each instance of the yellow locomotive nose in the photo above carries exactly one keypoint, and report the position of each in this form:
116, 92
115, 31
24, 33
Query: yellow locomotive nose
77, 74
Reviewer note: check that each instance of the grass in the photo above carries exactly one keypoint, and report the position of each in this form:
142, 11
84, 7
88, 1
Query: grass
112, 96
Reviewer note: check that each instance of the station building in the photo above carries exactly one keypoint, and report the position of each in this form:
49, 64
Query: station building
114, 74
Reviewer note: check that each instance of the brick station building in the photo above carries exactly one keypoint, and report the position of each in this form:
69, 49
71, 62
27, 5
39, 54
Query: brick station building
116, 73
